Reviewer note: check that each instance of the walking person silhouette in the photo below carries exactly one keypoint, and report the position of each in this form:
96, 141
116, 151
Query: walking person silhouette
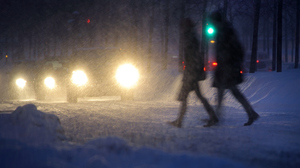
229, 55
193, 72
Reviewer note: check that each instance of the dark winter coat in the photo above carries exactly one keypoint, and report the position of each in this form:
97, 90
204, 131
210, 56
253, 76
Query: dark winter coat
230, 54
194, 64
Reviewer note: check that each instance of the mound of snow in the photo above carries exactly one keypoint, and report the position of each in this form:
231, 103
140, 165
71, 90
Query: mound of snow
30, 138
110, 144
27, 124
109, 152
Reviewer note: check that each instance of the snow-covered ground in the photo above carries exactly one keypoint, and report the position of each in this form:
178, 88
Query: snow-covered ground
107, 132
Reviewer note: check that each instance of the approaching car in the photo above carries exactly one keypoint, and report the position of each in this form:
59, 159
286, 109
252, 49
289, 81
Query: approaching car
35, 79
21, 79
94, 72
49, 77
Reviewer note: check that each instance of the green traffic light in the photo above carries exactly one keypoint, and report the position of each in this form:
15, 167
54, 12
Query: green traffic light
210, 31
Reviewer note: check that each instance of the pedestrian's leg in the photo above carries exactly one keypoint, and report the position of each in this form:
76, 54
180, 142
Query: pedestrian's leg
178, 121
252, 115
220, 99
213, 119
182, 111
184, 92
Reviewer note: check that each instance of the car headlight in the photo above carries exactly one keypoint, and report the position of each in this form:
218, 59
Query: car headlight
127, 75
49, 82
79, 78
21, 83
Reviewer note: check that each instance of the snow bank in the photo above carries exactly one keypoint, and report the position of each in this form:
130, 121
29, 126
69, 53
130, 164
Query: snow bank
107, 152
29, 125
31, 138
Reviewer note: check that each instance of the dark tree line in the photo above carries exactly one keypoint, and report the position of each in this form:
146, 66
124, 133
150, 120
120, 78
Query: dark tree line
273, 22
31, 24
149, 29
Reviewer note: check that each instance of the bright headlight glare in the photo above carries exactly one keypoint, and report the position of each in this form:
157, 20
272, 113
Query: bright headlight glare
127, 75
21, 83
49, 82
79, 78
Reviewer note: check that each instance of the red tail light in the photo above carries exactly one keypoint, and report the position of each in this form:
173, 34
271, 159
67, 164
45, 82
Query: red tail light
214, 64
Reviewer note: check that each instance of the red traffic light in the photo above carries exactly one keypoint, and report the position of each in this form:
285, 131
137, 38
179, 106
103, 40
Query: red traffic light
88, 21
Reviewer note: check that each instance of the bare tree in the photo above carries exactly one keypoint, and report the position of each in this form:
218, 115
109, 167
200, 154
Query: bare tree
204, 43
274, 36
167, 23
297, 35
181, 52
286, 37
279, 37
151, 27
225, 8
255, 34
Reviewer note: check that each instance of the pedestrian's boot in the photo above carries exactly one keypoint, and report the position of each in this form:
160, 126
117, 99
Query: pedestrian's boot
254, 116
211, 122
213, 119
175, 123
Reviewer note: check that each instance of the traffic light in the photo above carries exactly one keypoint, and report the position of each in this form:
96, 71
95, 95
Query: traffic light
6, 57
210, 30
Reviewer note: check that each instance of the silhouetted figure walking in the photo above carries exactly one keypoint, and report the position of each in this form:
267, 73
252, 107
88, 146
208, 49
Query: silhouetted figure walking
194, 72
230, 55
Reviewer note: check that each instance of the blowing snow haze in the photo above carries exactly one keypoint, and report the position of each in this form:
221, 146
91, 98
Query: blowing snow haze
94, 83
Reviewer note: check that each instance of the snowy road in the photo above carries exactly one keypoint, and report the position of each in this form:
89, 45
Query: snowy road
272, 141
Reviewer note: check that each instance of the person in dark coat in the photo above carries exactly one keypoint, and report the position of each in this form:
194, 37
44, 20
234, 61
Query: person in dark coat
193, 72
229, 55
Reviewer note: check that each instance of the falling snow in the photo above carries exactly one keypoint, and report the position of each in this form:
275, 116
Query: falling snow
108, 132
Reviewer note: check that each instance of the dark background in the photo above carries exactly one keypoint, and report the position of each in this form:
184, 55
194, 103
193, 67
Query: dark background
148, 29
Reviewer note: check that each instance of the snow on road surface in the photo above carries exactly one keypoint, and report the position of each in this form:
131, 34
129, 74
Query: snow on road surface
107, 132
